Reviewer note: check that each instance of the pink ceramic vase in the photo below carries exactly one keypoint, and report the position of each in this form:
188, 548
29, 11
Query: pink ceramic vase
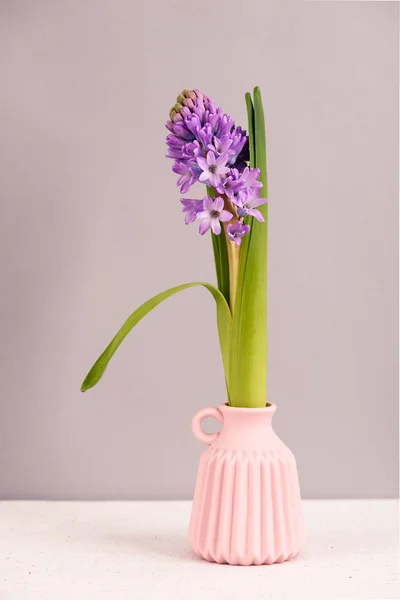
247, 506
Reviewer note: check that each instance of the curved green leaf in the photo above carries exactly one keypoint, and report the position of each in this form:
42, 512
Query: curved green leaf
224, 329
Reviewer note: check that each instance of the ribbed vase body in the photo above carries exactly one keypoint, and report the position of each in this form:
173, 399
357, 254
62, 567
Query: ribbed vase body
247, 505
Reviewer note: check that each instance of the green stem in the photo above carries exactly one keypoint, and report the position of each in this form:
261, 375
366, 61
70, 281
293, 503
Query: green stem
233, 261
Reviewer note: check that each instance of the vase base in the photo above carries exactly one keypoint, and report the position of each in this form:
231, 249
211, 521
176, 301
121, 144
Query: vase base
248, 561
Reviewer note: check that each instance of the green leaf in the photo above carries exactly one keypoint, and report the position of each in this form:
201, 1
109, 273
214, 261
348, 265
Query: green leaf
224, 328
260, 146
248, 359
250, 117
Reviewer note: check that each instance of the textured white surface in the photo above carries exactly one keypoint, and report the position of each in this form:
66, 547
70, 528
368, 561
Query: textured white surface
139, 550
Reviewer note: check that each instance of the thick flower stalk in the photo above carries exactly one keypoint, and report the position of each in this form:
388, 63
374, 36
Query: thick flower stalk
208, 148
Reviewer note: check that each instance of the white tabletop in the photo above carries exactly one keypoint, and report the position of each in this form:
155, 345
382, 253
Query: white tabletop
139, 550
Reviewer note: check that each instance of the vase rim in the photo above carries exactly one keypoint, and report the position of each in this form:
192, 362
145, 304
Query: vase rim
268, 408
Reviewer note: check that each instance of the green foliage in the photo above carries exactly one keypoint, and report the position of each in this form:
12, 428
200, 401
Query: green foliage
243, 335
248, 363
224, 328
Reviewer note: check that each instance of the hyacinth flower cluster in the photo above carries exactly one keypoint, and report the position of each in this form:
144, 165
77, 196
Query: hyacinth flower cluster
207, 147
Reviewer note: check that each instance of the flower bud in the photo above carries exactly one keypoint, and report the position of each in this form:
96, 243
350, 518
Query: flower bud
186, 103
176, 109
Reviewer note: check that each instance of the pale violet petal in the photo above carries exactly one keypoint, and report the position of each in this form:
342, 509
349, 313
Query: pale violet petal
204, 226
204, 176
208, 203
216, 226
218, 204
202, 163
225, 216
253, 212
210, 158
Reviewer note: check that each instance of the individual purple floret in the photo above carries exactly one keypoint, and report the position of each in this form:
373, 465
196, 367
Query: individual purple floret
189, 174
231, 184
192, 208
212, 215
205, 136
221, 124
222, 145
249, 178
239, 140
237, 231
246, 202
191, 151
212, 168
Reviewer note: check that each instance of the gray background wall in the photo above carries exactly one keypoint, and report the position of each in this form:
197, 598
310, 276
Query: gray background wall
91, 227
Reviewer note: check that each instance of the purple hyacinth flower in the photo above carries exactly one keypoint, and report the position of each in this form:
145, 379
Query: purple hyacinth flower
205, 135
170, 125
182, 131
193, 124
175, 153
206, 146
188, 175
237, 231
221, 123
174, 141
212, 168
212, 215
192, 208
250, 177
209, 105
231, 184
246, 202
221, 145
192, 151
239, 140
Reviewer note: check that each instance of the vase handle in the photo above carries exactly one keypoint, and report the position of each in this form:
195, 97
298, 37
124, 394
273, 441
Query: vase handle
209, 411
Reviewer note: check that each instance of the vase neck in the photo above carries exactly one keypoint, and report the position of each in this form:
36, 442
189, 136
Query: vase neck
247, 429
